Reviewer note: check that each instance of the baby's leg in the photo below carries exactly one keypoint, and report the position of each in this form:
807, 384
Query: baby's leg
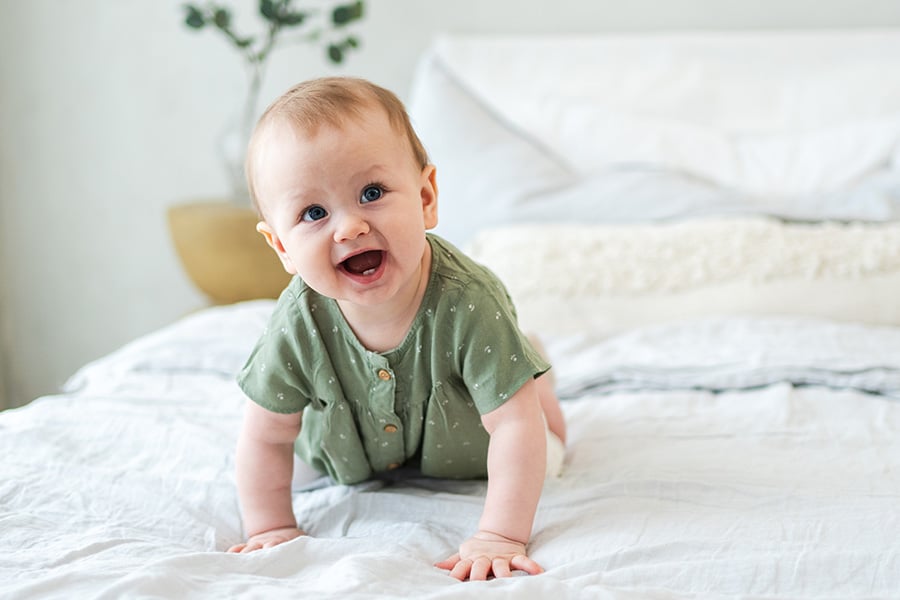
550, 405
546, 384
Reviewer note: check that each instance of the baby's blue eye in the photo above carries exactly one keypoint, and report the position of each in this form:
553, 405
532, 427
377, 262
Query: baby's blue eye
371, 194
314, 213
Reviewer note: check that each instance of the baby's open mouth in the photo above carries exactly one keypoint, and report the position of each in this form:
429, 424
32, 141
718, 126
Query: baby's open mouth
365, 263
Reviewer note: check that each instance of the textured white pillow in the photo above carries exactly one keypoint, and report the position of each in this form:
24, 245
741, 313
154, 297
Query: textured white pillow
604, 278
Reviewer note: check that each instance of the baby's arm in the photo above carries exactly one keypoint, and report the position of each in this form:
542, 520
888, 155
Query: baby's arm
265, 464
516, 469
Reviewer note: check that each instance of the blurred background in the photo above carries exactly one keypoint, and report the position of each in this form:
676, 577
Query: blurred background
111, 112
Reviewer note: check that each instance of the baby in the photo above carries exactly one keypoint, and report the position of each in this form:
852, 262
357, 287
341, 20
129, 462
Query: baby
389, 347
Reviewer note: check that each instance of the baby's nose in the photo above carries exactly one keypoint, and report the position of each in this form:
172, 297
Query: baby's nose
350, 226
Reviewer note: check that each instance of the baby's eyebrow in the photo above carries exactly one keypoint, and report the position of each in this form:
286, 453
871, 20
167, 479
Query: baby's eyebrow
301, 198
372, 170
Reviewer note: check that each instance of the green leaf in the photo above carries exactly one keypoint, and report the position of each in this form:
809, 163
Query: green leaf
347, 13
222, 18
194, 18
351, 42
335, 54
292, 19
269, 10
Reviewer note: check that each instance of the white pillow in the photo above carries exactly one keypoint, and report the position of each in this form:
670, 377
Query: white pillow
780, 113
484, 168
605, 279
619, 128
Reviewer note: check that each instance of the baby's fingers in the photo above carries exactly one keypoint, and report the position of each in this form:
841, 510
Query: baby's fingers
461, 570
448, 563
481, 568
251, 547
523, 563
500, 566
244, 548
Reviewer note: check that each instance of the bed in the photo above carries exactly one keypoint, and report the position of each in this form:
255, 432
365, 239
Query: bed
703, 229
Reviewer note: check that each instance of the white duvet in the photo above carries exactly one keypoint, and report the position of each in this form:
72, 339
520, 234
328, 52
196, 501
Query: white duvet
713, 458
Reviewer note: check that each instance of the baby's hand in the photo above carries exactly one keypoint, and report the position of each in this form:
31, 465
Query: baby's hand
487, 553
267, 539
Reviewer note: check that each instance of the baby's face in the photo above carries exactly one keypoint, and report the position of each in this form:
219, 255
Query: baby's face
347, 208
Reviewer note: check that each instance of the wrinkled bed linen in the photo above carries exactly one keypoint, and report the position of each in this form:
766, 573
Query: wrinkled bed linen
718, 354
124, 487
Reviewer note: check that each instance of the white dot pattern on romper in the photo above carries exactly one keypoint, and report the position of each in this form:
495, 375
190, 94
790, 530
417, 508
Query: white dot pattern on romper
452, 350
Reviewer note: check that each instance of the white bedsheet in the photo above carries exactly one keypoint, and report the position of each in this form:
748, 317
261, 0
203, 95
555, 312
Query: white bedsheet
124, 487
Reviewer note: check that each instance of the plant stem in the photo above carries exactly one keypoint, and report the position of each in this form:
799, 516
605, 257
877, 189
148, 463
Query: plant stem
256, 75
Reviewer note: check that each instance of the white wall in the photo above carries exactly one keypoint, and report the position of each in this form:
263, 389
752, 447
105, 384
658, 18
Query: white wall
4, 281
109, 112
4, 344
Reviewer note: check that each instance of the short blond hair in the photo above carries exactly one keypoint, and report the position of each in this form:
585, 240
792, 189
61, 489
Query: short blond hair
330, 101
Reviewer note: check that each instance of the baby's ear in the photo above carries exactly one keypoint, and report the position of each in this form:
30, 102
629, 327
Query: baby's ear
275, 243
429, 193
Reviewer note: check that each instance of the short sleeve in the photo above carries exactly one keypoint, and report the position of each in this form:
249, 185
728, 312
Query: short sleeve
497, 358
272, 376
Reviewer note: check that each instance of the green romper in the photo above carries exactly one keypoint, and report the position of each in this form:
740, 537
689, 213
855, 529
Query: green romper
420, 403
